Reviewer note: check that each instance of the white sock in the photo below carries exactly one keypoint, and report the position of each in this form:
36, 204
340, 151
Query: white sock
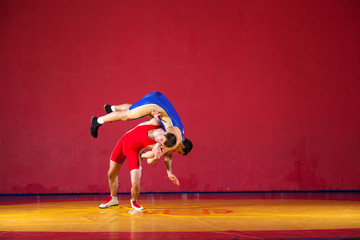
113, 108
100, 120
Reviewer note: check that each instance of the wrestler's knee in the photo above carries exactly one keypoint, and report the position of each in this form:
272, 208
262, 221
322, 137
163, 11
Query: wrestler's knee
135, 185
112, 174
124, 107
113, 170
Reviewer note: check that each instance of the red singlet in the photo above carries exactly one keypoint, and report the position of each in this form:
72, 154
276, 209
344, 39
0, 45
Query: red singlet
130, 145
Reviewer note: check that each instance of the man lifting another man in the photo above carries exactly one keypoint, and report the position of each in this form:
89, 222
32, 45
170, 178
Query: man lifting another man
147, 135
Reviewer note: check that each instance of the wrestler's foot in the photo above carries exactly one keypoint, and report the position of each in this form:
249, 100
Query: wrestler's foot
111, 201
94, 127
107, 108
135, 205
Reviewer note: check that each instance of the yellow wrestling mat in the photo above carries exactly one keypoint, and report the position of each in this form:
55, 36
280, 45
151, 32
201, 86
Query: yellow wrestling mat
181, 214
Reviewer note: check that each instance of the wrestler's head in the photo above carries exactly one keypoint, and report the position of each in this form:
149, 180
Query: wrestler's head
185, 147
166, 139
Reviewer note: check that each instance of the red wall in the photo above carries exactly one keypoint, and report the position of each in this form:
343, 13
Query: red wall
268, 92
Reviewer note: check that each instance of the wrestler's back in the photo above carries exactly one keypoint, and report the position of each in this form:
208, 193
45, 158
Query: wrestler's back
137, 138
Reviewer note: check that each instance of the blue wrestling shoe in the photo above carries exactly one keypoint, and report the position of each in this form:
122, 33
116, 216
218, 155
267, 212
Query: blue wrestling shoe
107, 108
94, 127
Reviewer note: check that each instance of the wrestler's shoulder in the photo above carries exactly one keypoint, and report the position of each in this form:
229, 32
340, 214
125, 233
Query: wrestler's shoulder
174, 130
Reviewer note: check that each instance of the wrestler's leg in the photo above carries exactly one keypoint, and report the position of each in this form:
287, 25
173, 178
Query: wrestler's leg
126, 112
121, 113
113, 185
146, 109
116, 160
122, 107
113, 177
135, 176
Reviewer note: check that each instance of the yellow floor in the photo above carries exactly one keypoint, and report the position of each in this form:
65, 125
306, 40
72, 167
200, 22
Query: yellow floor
182, 214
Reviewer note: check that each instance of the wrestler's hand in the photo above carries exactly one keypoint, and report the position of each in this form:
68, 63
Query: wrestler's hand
174, 179
158, 151
155, 113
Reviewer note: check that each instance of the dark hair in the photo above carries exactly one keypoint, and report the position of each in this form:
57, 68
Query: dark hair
188, 146
170, 140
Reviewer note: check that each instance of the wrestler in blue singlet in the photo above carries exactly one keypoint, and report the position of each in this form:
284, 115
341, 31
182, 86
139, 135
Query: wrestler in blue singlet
156, 100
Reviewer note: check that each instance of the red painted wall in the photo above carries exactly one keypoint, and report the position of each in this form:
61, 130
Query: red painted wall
268, 92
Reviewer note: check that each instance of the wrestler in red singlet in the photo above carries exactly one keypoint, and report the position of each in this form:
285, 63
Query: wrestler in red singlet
130, 145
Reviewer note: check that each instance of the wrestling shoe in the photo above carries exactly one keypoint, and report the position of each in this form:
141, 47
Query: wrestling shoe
107, 108
135, 205
94, 127
109, 202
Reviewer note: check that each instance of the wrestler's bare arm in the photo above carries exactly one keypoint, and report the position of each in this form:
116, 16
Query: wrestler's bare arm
168, 165
153, 155
142, 153
156, 153
156, 114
